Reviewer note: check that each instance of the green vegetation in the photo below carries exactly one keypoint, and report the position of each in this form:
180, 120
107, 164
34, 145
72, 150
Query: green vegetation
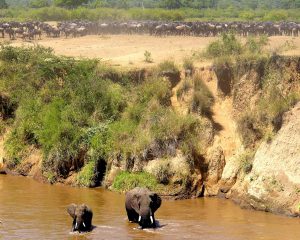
69, 3
246, 160
173, 4
86, 175
3, 4
126, 181
39, 3
81, 112
170, 170
168, 66
148, 57
202, 98
186, 85
104, 13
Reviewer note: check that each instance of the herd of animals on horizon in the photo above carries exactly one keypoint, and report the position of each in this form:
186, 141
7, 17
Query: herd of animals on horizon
36, 29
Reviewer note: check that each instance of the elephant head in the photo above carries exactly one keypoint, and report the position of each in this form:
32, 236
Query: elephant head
141, 205
82, 217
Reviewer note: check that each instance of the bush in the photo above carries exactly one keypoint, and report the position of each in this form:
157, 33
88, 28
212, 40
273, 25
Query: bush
226, 46
188, 64
202, 100
276, 15
248, 129
168, 66
231, 49
126, 181
171, 170
148, 57
186, 85
246, 160
86, 176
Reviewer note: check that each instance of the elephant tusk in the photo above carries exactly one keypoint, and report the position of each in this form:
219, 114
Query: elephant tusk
83, 224
76, 225
139, 218
151, 218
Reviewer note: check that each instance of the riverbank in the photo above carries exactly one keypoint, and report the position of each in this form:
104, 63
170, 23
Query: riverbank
200, 131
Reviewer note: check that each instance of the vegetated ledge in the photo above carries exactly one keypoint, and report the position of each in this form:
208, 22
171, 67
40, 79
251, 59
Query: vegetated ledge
83, 123
266, 93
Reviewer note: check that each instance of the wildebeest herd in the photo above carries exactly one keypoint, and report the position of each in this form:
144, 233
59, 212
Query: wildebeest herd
35, 30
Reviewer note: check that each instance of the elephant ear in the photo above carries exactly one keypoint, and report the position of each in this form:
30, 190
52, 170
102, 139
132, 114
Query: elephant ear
71, 210
135, 202
156, 201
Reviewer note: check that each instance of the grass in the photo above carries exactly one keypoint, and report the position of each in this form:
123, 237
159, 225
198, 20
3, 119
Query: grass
86, 176
202, 100
188, 64
186, 85
168, 66
80, 111
126, 181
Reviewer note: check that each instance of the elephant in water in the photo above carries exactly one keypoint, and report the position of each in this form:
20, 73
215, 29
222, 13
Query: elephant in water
141, 204
82, 217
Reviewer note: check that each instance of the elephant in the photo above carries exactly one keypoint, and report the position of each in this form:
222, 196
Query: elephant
141, 204
82, 217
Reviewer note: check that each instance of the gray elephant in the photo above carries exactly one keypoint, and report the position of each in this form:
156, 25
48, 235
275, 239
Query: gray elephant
82, 217
141, 204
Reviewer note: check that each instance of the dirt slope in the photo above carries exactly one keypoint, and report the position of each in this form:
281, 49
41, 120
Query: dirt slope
274, 182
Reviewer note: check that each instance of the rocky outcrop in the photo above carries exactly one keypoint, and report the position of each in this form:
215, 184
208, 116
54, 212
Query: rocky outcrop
215, 162
274, 182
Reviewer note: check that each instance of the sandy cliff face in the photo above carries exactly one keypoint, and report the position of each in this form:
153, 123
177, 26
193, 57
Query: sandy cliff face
274, 182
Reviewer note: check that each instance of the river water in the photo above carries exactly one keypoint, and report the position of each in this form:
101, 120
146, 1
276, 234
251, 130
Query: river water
31, 210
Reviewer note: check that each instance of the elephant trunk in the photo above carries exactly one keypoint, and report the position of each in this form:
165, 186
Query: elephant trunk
146, 220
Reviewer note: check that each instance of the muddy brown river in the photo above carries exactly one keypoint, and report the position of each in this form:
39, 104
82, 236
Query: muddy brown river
31, 210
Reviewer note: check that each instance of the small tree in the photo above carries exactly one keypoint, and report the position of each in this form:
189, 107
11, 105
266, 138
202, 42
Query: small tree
148, 57
39, 3
70, 3
171, 4
3, 4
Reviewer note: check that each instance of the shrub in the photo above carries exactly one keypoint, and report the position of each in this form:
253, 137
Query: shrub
226, 46
162, 172
202, 100
126, 181
188, 64
148, 57
168, 66
184, 87
86, 176
246, 160
171, 170
248, 129
276, 15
